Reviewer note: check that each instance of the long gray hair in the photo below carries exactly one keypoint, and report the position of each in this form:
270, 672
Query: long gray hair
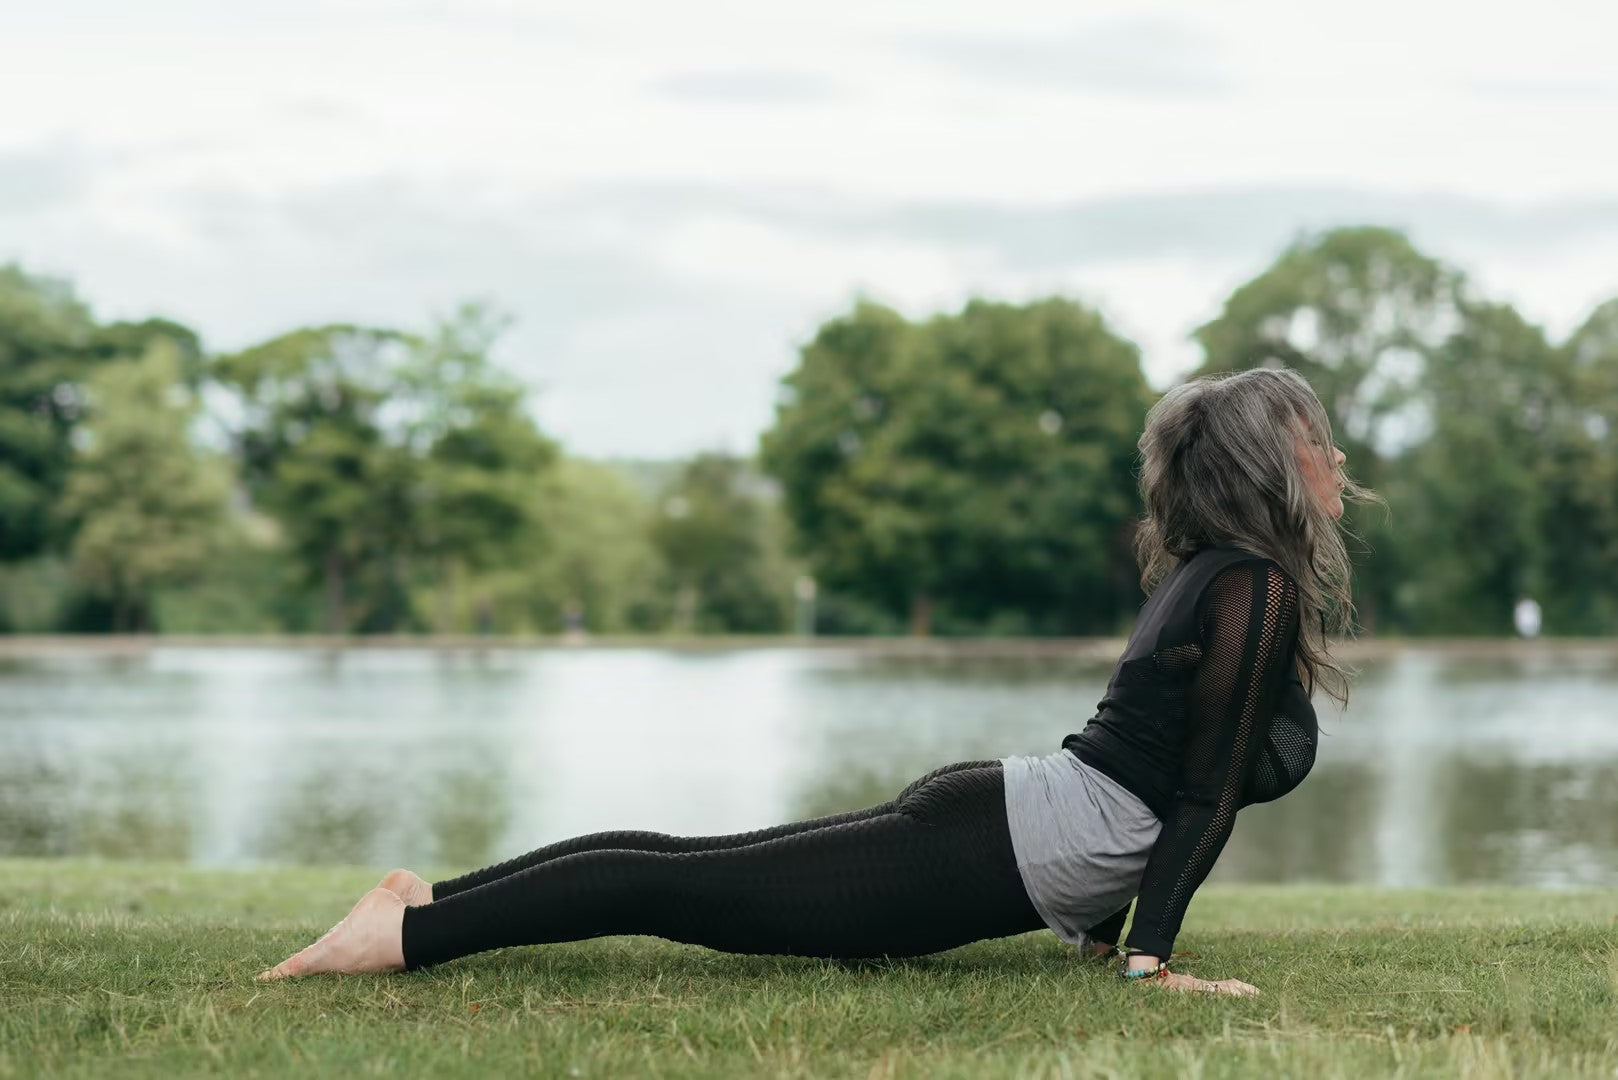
1219, 464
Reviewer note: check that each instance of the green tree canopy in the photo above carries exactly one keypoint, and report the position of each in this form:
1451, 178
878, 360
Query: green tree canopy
147, 507
45, 338
1360, 313
1475, 488
1492, 446
1581, 496
712, 534
49, 345
600, 561
310, 440
977, 467
381, 452
480, 455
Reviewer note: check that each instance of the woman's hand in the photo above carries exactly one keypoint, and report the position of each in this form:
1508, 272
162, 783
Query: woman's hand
1097, 950
1177, 980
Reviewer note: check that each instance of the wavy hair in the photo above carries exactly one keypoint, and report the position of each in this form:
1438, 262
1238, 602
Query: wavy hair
1219, 465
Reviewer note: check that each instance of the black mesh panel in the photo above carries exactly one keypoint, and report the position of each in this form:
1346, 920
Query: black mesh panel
1248, 624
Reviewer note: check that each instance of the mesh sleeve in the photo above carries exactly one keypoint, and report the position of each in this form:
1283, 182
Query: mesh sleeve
1248, 619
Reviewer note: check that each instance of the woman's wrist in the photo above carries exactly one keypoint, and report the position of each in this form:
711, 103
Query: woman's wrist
1138, 965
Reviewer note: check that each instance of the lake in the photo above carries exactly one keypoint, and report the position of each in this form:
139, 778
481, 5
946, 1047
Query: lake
1446, 768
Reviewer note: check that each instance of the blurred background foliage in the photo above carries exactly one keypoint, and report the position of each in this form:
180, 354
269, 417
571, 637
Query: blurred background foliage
968, 474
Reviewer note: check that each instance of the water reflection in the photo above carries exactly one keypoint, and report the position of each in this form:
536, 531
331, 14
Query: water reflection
1325, 830
123, 809
1540, 824
1445, 769
467, 813
331, 815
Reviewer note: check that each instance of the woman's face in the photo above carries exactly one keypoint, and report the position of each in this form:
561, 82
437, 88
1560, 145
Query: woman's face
1320, 464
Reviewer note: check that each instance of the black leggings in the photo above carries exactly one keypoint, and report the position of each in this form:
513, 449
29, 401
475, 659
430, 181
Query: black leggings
930, 870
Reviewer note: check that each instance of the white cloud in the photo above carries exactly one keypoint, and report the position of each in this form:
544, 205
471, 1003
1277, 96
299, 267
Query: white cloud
1125, 57
670, 196
743, 257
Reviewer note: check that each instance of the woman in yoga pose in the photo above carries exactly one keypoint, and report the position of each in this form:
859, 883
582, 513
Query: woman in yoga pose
1243, 561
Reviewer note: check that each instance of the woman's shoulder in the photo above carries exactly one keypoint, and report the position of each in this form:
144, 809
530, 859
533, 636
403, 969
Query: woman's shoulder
1214, 567
1216, 556
1224, 567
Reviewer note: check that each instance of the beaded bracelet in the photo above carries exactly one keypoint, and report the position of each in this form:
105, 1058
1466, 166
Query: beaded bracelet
1161, 971
1157, 972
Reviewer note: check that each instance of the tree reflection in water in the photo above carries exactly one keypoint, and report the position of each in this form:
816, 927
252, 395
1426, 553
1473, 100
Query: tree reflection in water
1444, 770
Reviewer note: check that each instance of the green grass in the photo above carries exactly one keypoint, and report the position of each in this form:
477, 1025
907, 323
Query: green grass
140, 969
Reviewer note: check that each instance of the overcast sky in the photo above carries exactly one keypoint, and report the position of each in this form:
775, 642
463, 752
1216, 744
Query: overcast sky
670, 196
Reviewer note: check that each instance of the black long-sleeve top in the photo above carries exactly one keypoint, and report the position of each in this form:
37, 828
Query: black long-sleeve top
1204, 715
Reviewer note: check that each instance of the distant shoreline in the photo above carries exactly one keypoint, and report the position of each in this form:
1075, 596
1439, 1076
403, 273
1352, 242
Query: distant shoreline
1101, 648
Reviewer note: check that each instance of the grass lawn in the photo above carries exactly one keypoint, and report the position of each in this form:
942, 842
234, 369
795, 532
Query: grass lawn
137, 969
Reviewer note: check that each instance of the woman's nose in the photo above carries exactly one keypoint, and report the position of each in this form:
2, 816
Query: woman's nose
1341, 457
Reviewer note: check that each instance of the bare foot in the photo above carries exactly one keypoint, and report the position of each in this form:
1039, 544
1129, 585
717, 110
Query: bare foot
370, 938
407, 887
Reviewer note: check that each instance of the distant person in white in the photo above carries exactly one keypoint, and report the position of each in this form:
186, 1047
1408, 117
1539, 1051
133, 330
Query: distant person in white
1526, 616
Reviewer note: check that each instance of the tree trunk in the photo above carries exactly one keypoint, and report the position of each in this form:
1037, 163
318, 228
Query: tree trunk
685, 609
921, 615
335, 622
446, 595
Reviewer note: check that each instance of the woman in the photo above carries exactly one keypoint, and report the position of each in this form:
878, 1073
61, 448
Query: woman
1206, 712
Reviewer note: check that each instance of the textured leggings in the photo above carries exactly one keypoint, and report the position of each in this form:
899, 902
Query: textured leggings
930, 870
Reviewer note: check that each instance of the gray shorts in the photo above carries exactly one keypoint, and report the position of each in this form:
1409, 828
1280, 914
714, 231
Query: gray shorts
1081, 840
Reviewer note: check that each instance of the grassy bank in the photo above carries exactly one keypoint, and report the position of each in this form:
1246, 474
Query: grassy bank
148, 970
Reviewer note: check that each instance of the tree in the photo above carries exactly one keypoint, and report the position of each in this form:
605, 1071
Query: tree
600, 561
711, 533
125, 340
481, 458
975, 470
1359, 312
1476, 487
310, 439
45, 336
1581, 494
386, 455
147, 508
